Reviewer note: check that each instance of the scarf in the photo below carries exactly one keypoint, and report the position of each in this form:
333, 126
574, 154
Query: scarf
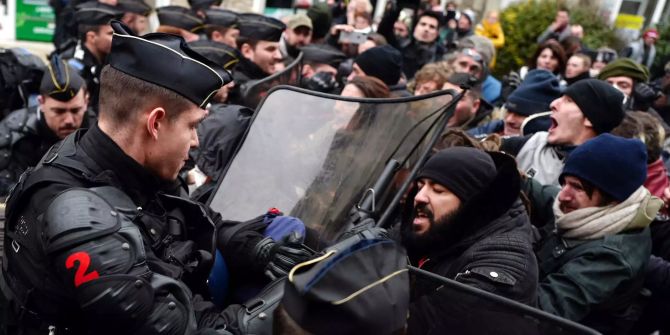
591, 223
540, 160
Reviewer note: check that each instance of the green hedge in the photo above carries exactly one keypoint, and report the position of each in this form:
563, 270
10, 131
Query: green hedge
523, 22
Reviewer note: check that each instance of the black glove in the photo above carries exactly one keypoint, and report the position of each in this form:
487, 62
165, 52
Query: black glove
278, 258
643, 96
322, 82
365, 230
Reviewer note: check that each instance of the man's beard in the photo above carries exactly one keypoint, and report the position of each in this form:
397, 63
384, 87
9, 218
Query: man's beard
440, 234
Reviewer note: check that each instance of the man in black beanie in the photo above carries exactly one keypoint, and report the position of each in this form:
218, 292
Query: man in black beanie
467, 223
586, 109
383, 62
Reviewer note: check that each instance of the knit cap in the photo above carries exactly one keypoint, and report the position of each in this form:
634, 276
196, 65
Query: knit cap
383, 62
615, 165
600, 102
535, 94
625, 67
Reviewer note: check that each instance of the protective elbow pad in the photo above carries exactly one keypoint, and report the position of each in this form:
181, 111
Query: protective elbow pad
77, 216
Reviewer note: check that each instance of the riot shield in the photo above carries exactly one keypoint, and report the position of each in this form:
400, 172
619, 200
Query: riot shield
314, 155
474, 311
253, 91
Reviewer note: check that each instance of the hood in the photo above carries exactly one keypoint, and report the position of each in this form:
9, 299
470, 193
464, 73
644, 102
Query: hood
478, 216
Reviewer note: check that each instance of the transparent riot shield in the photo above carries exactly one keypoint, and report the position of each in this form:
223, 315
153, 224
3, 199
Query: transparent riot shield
314, 155
254, 91
474, 311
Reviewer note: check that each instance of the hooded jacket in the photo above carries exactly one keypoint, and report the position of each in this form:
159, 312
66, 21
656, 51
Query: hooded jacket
490, 250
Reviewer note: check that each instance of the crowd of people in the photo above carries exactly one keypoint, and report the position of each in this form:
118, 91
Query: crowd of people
548, 186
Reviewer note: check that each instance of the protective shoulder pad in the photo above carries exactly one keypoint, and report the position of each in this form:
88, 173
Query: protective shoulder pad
76, 216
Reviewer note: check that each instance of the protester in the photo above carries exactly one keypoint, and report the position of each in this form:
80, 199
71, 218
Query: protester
365, 87
466, 223
384, 63
643, 50
557, 30
577, 68
423, 47
469, 111
603, 57
491, 28
592, 264
430, 78
586, 109
534, 95
298, 34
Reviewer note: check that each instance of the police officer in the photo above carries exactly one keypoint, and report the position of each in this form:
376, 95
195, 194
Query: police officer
222, 26
98, 239
259, 44
136, 15
26, 134
222, 131
320, 68
95, 41
180, 21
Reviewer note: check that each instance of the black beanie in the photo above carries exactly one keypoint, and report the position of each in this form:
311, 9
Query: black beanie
601, 103
462, 170
383, 62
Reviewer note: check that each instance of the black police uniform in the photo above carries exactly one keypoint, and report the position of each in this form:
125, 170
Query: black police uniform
80, 58
24, 139
95, 243
253, 27
24, 134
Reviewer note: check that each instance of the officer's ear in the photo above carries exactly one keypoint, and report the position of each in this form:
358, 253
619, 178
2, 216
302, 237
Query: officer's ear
40, 100
156, 121
247, 51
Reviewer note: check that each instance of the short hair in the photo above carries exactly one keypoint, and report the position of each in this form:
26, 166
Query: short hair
432, 14
557, 51
432, 72
241, 40
645, 127
585, 58
210, 29
83, 29
377, 38
169, 30
371, 87
122, 96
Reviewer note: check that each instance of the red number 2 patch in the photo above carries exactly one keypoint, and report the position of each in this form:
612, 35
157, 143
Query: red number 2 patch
84, 261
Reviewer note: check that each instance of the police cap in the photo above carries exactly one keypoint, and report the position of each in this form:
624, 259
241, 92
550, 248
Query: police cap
135, 6
219, 53
260, 28
203, 4
180, 17
166, 60
221, 18
363, 289
322, 54
96, 13
60, 81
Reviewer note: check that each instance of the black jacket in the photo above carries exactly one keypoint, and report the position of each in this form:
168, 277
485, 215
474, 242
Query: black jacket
24, 139
245, 71
414, 54
169, 252
492, 251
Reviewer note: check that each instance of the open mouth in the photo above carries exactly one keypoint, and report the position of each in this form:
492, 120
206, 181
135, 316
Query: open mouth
554, 124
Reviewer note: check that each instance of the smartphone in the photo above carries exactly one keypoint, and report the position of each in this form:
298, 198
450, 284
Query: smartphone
352, 37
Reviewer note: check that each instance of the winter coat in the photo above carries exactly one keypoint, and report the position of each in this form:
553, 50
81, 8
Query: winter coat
492, 252
493, 32
596, 282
